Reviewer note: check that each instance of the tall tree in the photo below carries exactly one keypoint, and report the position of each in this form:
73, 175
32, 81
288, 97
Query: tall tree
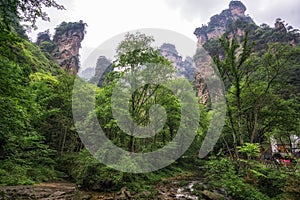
257, 89
234, 69
136, 56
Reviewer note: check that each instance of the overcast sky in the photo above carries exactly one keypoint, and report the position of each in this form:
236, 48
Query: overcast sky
107, 18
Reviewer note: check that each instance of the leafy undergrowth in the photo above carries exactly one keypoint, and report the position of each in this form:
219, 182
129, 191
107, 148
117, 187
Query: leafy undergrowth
253, 180
89, 174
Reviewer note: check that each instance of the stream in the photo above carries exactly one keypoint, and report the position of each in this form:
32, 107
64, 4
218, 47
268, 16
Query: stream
169, 189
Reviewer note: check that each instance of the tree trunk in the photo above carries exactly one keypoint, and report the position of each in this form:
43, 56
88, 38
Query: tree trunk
63, 142
254, 126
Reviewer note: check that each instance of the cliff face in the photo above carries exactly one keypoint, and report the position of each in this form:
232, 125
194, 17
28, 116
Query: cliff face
222, 22
231, 21
64, 47
103, 67
87, 73
184, 66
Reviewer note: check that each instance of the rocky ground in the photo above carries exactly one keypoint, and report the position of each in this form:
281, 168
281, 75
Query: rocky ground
45, 191
180, 188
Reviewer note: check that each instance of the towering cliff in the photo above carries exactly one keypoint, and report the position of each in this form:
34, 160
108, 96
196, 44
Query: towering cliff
234, 23
223, 22
64, 47
184, 66
103, 67
86, 73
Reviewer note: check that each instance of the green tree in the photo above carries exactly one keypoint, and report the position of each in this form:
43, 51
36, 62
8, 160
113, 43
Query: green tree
24, 154
257, 86
234, 69
136, 56
13, 11
54, 95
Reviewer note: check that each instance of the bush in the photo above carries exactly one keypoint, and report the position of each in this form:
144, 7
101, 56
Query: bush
24, 174
222, 174
272, 183
90, 174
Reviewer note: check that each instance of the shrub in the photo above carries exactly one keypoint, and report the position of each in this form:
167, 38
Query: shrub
222, 174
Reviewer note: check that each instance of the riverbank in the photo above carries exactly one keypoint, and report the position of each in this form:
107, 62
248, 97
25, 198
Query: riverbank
187, 186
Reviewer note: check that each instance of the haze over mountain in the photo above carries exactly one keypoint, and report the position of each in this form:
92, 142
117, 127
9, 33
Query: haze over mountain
105, 19
233, 20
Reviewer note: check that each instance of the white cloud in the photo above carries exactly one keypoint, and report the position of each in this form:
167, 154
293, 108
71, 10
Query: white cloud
268, 10
263, 11
198, 9
106, 19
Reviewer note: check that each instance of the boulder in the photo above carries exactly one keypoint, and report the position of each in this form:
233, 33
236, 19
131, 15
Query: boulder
212, 195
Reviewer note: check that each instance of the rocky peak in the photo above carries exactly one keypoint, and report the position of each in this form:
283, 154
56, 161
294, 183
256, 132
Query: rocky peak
65, 44
184, 66
222, 22
279, 25
167, 48
103, 67
68, 38
231, 21
237, 8
43, 37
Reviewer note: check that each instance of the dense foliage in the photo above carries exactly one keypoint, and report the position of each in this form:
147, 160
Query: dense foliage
262, 103
24, 155
39, 142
